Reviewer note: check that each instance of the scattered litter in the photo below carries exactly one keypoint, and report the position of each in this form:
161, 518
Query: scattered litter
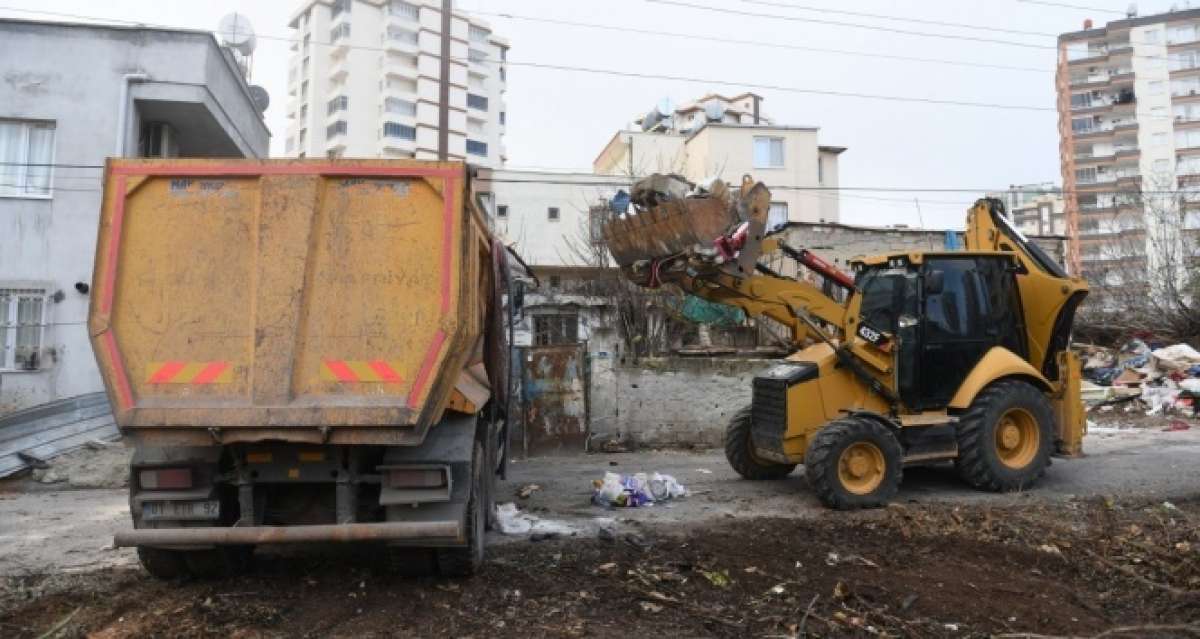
631, 491
528, 489
514, 522
1050, 549
651, 607
718, 578
1177, 425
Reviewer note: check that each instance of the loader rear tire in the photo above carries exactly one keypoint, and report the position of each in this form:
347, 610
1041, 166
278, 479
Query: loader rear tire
162, 564
854, 462
464, 561
739, 450
1005, 438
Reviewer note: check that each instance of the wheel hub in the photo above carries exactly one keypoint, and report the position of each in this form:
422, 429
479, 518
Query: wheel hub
861, 468
1017, 438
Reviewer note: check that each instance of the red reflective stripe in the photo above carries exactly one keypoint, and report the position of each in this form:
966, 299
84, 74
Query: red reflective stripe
340, 370
384, 371
166, 372
414, 395
210, 372
124, 395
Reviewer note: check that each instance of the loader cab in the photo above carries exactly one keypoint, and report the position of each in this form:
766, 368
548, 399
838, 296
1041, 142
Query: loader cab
944, 311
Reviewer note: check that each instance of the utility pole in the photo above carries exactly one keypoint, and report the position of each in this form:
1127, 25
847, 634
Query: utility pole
444, 84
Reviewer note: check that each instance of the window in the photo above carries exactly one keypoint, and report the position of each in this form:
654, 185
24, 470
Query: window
502, 210
1081, 100
338, 7
503, 117
1085, 175
552, 214
304, 89
1156, 87
397, 34
1151, 36
475, 55
21, 328
1187, 138
340, 103
26, 153
560, 328
303, 111
1162, 166
777, 215
397, 130
335, 129
403, 9
768, 153
303, 135
503, 75
478, 34
1158, 139
398, 106
475, 147
1082, 125
477, 102
339, 32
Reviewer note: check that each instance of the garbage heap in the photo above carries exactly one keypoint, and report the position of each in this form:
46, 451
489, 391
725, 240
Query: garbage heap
1156, 381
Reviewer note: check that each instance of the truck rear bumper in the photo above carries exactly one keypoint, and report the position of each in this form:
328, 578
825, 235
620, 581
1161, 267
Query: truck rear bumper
428, 532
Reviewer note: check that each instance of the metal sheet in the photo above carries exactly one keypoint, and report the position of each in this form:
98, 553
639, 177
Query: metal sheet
53, 429
554, 381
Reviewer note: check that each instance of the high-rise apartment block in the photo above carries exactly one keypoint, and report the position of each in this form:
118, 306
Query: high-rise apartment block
365, 79
1129, 124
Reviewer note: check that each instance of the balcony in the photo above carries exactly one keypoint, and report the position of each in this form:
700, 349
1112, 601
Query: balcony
1103, 77
339, 69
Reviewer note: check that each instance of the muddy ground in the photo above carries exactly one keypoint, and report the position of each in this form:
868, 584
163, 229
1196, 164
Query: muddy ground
1082, 567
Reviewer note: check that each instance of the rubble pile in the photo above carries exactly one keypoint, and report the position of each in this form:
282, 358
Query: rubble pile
1141, 376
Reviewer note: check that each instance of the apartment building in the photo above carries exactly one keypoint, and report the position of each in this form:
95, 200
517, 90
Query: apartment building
729, 137
1129, 125
73, 95
1035, 209
364, 81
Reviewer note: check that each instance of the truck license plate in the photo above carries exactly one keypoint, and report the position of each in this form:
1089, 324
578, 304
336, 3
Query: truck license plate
204, 509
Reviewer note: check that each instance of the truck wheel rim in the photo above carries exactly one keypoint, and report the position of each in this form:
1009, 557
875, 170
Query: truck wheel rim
861, 468
1017, 438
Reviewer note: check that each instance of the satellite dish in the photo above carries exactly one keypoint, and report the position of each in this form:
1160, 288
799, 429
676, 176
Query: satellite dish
236, 33
261, 98
714, 111
665, 106
651, 119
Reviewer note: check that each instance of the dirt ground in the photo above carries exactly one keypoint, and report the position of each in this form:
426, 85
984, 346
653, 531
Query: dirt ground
1109, 543
1076, 569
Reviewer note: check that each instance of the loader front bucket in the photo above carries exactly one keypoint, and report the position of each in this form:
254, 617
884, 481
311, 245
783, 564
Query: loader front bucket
713, 228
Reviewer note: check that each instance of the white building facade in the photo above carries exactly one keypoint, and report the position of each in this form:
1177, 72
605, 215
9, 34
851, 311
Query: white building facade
1129, 125
60, 117
364, 81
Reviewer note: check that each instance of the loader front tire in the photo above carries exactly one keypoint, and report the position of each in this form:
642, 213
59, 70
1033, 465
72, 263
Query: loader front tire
1005, 438
739, 450
464, 561
854, 462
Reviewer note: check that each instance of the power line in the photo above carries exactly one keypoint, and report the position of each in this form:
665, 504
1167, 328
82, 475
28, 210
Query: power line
653, 76
1070, 6
760, 43
855, 25
880, 16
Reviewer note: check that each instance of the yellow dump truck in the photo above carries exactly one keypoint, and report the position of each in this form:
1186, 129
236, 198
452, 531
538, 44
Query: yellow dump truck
302, 351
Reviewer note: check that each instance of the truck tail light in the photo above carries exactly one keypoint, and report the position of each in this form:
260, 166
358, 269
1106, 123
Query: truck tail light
165, 478
416, 478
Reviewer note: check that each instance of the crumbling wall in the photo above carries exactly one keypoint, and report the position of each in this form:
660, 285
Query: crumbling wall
670, 402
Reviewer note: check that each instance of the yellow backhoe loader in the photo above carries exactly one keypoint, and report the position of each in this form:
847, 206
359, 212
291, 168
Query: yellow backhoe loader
920, 358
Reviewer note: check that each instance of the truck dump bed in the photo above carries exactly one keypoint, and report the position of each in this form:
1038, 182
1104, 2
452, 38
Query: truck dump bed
322, 301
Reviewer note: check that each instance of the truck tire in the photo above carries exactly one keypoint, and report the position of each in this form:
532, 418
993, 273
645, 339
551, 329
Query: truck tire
740, 452
1005, 438
854, 462
162, 564
219, 562
464, 561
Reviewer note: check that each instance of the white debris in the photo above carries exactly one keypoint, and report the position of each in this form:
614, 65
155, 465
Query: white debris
1176, 358
514, 522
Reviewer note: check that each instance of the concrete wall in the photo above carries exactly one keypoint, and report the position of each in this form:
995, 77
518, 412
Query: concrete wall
669, 402
71, 75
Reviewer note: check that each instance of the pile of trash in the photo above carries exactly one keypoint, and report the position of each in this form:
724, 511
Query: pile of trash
1154, 380
632, 491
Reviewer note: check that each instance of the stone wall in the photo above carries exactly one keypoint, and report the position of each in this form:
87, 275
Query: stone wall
669, 402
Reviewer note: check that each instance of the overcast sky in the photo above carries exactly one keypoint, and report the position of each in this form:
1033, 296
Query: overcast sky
562, 119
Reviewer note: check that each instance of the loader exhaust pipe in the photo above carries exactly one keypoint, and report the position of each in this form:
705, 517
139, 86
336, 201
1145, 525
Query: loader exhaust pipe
255, 535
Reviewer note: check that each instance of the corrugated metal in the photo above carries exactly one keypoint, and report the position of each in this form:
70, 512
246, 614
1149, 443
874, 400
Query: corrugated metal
554, 382
52, 429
